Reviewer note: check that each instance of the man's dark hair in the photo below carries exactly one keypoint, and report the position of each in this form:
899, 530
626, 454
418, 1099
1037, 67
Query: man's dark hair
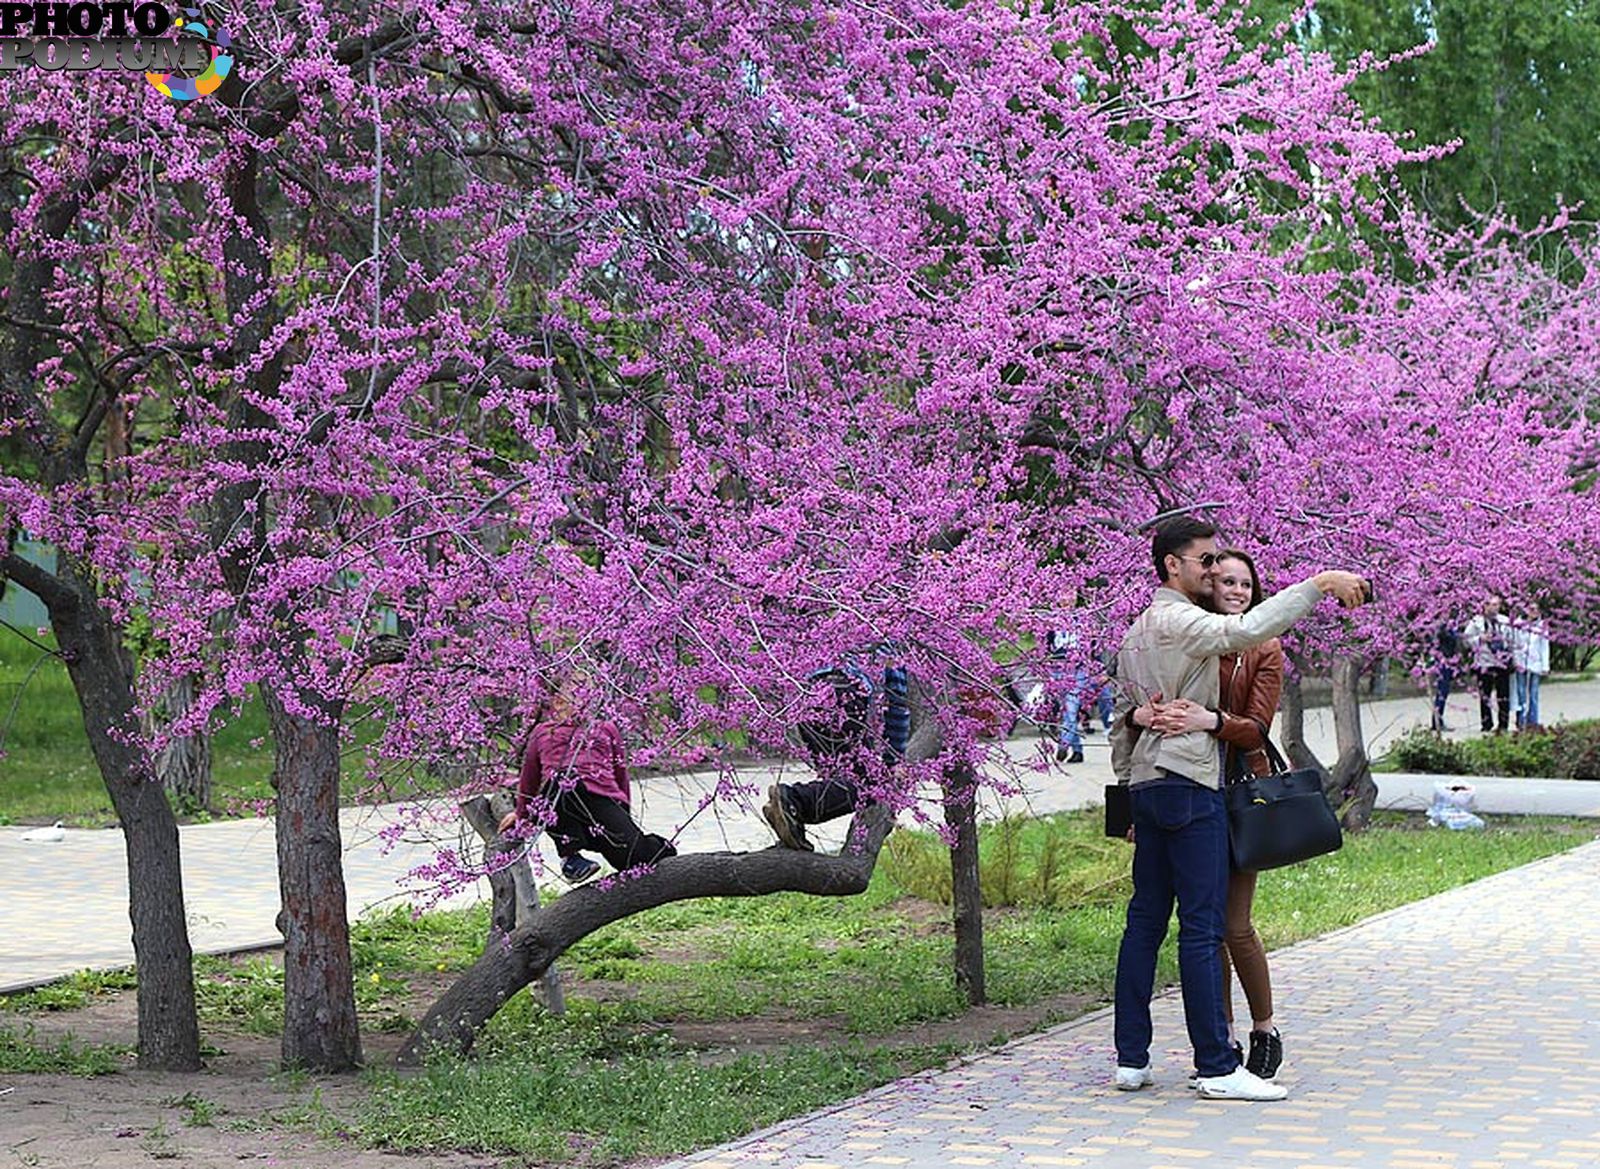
1173, 536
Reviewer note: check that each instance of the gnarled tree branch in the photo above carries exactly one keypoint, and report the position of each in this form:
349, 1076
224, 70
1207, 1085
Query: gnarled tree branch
42, 583
452, 1023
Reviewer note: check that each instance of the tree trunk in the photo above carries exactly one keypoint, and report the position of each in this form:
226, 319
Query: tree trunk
1292, 722
1380, 678
320, 1029
961, 815
1352, 775
1347, 704
516, 895
90, 640
168, 1029
319, 1006
184, 765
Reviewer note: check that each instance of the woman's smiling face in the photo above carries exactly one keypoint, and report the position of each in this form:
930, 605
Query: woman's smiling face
1232, 586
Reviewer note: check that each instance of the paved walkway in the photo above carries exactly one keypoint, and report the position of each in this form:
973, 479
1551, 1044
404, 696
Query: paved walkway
1460, 1032
63, 906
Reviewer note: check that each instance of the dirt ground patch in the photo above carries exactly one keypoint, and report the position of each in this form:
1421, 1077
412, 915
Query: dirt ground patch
234, 1112
987, 1025
240, 1111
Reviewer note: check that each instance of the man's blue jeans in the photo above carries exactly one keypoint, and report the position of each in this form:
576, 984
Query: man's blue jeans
1180, 853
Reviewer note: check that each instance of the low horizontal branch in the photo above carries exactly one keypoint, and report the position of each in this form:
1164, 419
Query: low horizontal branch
453, 1022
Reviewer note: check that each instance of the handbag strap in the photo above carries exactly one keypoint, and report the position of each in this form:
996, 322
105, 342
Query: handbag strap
1279, 765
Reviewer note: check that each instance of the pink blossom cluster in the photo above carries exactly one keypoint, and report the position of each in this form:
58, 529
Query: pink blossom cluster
682, 348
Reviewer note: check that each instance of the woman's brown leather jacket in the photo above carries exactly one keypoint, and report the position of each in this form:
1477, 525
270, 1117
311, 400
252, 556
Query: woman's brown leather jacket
1252, 682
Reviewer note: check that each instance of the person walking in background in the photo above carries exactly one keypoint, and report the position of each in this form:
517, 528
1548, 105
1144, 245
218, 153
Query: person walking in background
1488, 636
1531, 659
574, 781
1079, 696
1449, 650
1174, 780
1105, 664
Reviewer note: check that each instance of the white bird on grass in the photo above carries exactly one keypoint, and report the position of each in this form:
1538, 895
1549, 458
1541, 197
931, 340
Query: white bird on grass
51, 835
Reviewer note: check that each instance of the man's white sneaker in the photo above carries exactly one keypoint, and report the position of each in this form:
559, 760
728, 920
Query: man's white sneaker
1132, 1079
1239, 1085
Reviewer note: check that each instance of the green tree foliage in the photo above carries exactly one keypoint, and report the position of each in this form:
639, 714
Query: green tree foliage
1512, 80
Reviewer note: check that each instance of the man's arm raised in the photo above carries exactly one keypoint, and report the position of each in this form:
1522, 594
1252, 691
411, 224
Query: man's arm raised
1207, 635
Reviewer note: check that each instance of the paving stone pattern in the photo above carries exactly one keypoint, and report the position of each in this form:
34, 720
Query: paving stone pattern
1460, 1032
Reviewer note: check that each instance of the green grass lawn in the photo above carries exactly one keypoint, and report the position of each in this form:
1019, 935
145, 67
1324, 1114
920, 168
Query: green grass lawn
836, 993
610, 1082
48, 773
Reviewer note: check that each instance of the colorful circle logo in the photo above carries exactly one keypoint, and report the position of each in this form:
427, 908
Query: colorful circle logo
179, 88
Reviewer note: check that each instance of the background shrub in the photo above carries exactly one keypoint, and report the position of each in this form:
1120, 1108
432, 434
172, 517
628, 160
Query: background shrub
1575, 749
1568, 751
1523, 753
1420, 750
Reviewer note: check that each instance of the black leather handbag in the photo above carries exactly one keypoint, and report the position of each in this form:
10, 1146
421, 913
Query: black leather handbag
1119, 811
1279, 819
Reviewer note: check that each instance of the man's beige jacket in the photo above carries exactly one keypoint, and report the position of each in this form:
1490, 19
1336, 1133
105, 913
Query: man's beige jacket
1172, 650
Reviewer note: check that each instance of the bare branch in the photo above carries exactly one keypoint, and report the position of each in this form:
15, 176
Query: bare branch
42, 583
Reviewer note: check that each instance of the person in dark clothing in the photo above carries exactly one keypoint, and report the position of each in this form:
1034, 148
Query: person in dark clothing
834, 742
1444, 673
574, 781
1488, 635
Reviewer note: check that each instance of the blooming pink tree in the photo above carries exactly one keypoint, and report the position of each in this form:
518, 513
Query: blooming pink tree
695, 346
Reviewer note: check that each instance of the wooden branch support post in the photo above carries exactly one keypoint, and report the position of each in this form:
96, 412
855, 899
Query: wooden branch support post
516, 896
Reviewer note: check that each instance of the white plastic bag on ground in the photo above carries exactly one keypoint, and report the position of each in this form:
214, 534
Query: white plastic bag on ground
1455, 794
1452, 806
1456, 818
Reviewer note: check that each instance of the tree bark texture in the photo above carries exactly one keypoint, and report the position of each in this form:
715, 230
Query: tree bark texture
1292, 723
168, 1030
184, 765
516, 894
1352, 774
319, 1006
1379, 687
961, 816
1347, 704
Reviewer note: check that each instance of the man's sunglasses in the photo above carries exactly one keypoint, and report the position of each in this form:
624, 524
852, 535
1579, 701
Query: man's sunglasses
1206, 559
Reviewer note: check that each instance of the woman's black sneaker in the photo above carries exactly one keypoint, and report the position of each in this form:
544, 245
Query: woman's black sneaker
577, 868
1266, 1054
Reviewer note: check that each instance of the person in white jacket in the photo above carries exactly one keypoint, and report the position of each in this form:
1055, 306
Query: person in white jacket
1530, 651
